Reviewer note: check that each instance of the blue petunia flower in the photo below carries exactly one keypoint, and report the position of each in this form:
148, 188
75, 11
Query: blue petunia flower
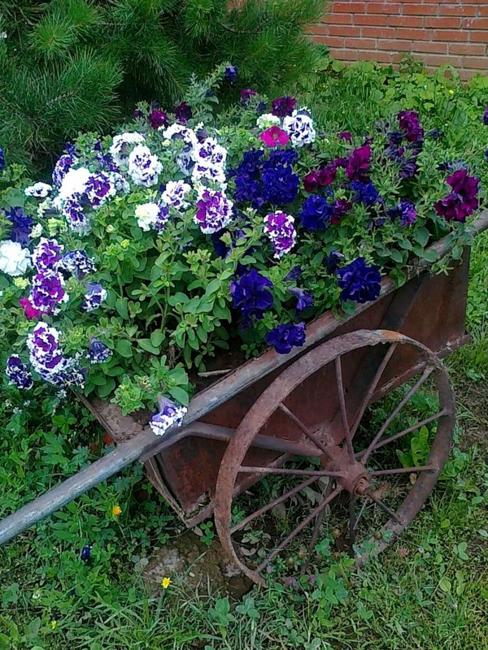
359, 282
251, 295
285, 337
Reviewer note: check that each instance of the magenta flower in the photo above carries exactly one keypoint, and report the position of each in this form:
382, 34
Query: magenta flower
30, 312
463, 200
357, 168
158, 118
275, 137
283, 106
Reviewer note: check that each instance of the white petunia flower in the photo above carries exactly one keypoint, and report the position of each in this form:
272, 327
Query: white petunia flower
300, 128
144, 167
268, 119
122, 145
14, 260
175, 193
147, 215
38, 190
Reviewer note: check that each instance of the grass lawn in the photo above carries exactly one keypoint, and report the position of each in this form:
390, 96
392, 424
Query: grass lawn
430, 591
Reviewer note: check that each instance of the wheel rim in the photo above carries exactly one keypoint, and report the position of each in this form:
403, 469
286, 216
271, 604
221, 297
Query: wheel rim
346, 469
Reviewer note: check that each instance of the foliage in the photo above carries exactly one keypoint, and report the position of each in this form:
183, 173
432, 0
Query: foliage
76, 65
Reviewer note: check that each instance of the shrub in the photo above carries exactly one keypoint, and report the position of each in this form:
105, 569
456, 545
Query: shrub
159, 247
76, 65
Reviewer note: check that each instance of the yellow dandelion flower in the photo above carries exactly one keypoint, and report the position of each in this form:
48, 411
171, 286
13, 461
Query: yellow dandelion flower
53, 624
116, 511
165, 583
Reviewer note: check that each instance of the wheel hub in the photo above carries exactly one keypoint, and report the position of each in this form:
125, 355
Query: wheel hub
354, 476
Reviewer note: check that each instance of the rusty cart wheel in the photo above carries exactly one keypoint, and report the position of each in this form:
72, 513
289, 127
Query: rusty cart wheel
364, 492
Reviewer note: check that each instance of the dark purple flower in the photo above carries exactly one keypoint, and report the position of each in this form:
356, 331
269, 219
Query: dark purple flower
231, 73
311, 181
316, 213
158, 118
340, 208
85, 553
485, 116
366, 193
17, 373
346, 136
285, 337
357, 168
294, 274
463, 200
283, 106
405, 211
98, 352
183, 112
2, 159
21, 225
409, 123
246, 95
333, 260
304, 299
251, 295
359, 282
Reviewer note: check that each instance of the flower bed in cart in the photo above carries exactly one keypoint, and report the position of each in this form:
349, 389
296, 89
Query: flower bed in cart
189, 235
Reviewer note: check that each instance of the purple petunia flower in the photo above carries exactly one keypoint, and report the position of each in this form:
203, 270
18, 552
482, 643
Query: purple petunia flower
294, 274
405, 211
21, 225
251, 295
345, 135
46, 254
98, 189
45, 353
359, 282
94, 296
485, 116
246, 94
340, 208
463, 200
285, 337
47, 293
366, 193
304, 298
158, 118
316, 213
283, 106
357, 167
409, 122
183, 112
98, 352
85, 553
280, 229
214, 211
77, 263
169, 414
231, 73
62, 167
2, 159
333, 260
17, 373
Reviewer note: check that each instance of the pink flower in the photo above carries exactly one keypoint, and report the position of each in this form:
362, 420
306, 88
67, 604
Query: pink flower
275, 137
30, 312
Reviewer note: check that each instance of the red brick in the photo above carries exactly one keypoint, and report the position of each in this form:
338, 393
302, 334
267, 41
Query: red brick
425, 9
395, 45
413, 34
339, 19
361, 43
407, 21
384, 8
344, 30
430, 48
439, 59
378, 32
372, 19
470, 49
480, 63
448, 35
478, 37
446, 22
476, 23
483, 11
334, 41
346, 7
458, 9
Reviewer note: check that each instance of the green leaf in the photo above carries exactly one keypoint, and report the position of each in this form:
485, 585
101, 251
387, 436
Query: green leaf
179, 395
124, 348
121, 307
146, 345
421, 235
157, 337
445, 585
107, 388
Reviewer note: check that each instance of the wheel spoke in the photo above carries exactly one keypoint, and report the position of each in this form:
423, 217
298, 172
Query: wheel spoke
373, 386
272, 504
290, 472
403, 470
302, 426
342, 405
425, 375
316, 511
384, 507
414, 427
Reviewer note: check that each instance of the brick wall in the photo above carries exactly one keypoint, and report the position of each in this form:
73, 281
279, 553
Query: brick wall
437, 31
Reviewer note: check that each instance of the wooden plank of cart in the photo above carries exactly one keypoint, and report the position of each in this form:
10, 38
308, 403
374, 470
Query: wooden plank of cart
263, 418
